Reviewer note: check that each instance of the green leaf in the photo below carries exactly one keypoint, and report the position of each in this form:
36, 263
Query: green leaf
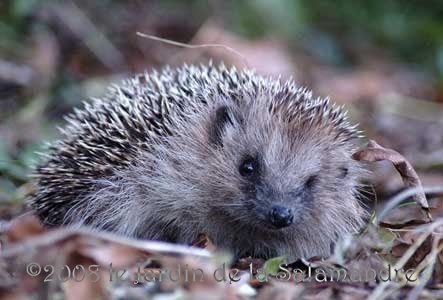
386, 235
272, 265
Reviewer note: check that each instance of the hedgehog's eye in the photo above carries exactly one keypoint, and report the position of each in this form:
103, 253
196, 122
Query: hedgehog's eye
249, 166
343, 172
311, 181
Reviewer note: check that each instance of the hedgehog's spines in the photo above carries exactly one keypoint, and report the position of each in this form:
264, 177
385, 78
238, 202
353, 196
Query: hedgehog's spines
112, 131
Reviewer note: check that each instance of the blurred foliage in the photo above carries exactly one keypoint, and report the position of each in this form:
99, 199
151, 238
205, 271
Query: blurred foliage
411, 31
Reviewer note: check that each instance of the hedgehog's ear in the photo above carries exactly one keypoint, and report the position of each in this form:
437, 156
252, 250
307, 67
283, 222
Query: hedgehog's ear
223, 116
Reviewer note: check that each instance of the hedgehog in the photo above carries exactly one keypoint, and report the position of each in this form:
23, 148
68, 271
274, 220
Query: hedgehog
256, 163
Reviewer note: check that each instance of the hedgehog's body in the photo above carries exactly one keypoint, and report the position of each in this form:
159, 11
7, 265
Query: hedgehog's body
259, 166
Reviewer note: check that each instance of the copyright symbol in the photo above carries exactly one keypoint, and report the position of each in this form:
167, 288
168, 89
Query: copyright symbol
33, 269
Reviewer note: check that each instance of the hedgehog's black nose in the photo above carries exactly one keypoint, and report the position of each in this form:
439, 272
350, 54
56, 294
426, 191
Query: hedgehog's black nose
281, 216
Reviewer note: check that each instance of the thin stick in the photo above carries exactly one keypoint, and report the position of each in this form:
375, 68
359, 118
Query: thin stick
402, 196
56, 236
178, 44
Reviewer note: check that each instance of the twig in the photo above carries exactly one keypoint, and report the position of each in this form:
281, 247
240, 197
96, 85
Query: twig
400, 197
67, 232
171, 42
429, 229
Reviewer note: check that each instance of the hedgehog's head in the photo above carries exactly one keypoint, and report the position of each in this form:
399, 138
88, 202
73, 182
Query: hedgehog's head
272, 166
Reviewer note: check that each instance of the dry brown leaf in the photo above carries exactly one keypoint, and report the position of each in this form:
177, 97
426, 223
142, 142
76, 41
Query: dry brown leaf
402, 225
23, 227
203, 241
85, 289
244, 263
282, 291
374, 152
104, 253
15, 295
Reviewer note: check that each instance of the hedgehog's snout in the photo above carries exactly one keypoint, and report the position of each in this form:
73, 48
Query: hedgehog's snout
280, 216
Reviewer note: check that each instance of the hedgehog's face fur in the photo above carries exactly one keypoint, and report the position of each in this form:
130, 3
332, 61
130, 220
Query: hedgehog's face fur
282, 173
259, 180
